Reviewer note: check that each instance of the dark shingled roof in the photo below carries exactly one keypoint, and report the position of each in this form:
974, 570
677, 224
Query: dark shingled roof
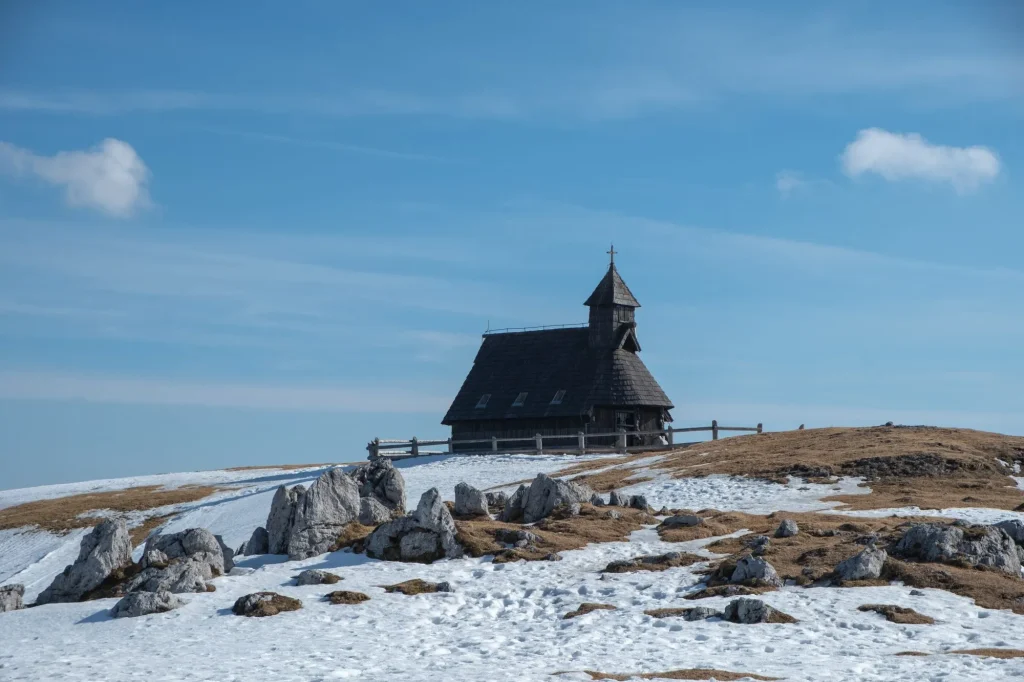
540, 363
611, 290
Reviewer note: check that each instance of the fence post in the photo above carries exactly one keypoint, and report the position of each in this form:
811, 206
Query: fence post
450, 450
494, 443
669, 434
759, 427
415, 446
714, 429
622, 439
374, 448
540, 443
581, 438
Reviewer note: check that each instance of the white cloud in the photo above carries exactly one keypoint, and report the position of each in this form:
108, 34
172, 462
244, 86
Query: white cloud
788, 181
896, 157
110, 177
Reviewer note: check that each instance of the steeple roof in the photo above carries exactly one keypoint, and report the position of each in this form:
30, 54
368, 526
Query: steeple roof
611, 290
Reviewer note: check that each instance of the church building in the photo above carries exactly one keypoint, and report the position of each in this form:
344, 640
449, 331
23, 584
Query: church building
563, 381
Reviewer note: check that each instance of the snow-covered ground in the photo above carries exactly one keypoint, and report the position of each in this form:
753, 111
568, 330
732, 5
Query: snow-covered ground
503, 622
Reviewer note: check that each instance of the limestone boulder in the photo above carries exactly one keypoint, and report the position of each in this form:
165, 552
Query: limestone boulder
372, 512
331, 503
195, 544
469, 501
867, 565
178, 577
513, 510
749, 611
381, 480
752, 570
426, 535
638, 502
314, 576
496, 500
258, 543
262, 604
145, 603
787, 529
105, 549
228, 554
12, 598
702, 613
682, 521
282, 517
597, 500
962, 543
546, 493
1014, 528
617, 499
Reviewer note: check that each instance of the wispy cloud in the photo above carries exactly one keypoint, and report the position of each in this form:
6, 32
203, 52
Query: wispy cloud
158, 391
787, 182
109, 177
897, 157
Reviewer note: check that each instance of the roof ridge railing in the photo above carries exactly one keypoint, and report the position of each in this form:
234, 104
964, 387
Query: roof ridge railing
545, 327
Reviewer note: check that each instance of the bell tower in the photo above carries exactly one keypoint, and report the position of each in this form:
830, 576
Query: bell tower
612, 308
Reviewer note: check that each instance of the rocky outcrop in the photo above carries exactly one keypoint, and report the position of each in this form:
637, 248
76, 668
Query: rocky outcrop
11, 598
638, 502
228, 554
750, 611
424, 536
702, 613
144, 603
617, 499
469, 501
380, 480
1014, 528
496, 500
517, 537
262, 604
597, 500
104, 550
546, 493
196, 544
751, 570
513, 510
258, 543
181, 562
281, 518
372, 512
681, 521
867, 565
315, 576
321, 512
787, 529
962, 544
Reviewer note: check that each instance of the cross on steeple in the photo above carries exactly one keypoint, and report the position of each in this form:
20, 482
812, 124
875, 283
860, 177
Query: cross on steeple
611, 252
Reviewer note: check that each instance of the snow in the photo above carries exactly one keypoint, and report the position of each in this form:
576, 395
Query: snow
503, 622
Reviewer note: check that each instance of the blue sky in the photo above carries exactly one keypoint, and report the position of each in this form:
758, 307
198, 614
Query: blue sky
242, 233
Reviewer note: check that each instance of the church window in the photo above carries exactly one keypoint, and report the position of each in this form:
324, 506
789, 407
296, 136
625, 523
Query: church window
557, 400
520, 399
482, 403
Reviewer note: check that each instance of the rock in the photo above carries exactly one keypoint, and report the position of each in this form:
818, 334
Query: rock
758, 544
546, 493
229, 555
196, 544
107, 548
965, 544
261, 604
144, 603
597, 500
1014, 528
754, 570
617, 499
181, 575
682, 521
566, 511
346, 597
469, 501
281, 518
513, 510
331, 503
787, 529
702, 613
315, 576
517, 537
12, 598
424, 536
418, 586
614, 514
372, 512
867, 565
750, 611
381, 480
496, 500
259, 543
638, 502
154, 558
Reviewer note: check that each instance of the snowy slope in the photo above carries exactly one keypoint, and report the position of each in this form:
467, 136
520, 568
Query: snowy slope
503, 622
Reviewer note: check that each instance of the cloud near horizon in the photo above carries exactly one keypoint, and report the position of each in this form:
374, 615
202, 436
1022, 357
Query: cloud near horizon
896, 157
110, 177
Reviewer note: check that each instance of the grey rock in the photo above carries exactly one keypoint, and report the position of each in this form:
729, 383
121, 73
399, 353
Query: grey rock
546, 493
978, 546
750, 569
617, 499
787, 529
682, 521
314, 576
758, 544
517, 537
867, 565
381, 480
445, 587
496, 500
424, 536
1014, 528
259, 543
105, 549
154, 558
281, 518
12, 598
748, 611
229, 555
638, 502
597, 500
614, 514
261, 604
702, 613
916, 593
331, 503
181, 575
469, 501
144, 603
372, 512
513, 510
195, 544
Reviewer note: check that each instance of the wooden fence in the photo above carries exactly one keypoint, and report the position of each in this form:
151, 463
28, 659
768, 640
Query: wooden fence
539, 444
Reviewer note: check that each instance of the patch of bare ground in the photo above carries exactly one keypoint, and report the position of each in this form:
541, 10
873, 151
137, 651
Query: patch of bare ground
898, 614
593, 525
588, 607
273, 605
684, 674
659, 562
140, 533
729, 591
352, 535
668, 612
64, 513
990, 653
346, 597
411, 587
911, 653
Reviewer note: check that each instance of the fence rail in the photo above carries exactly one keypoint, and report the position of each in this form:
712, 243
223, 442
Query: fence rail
578, 444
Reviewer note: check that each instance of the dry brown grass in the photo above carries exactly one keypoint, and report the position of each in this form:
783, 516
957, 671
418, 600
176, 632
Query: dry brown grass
352, 535
911, 653
411, 587
898, 614
140, 533
684, 674
668, 613
278, 603
653, 563
588, 607
64, 513
991, 653
729, 591
346, 597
